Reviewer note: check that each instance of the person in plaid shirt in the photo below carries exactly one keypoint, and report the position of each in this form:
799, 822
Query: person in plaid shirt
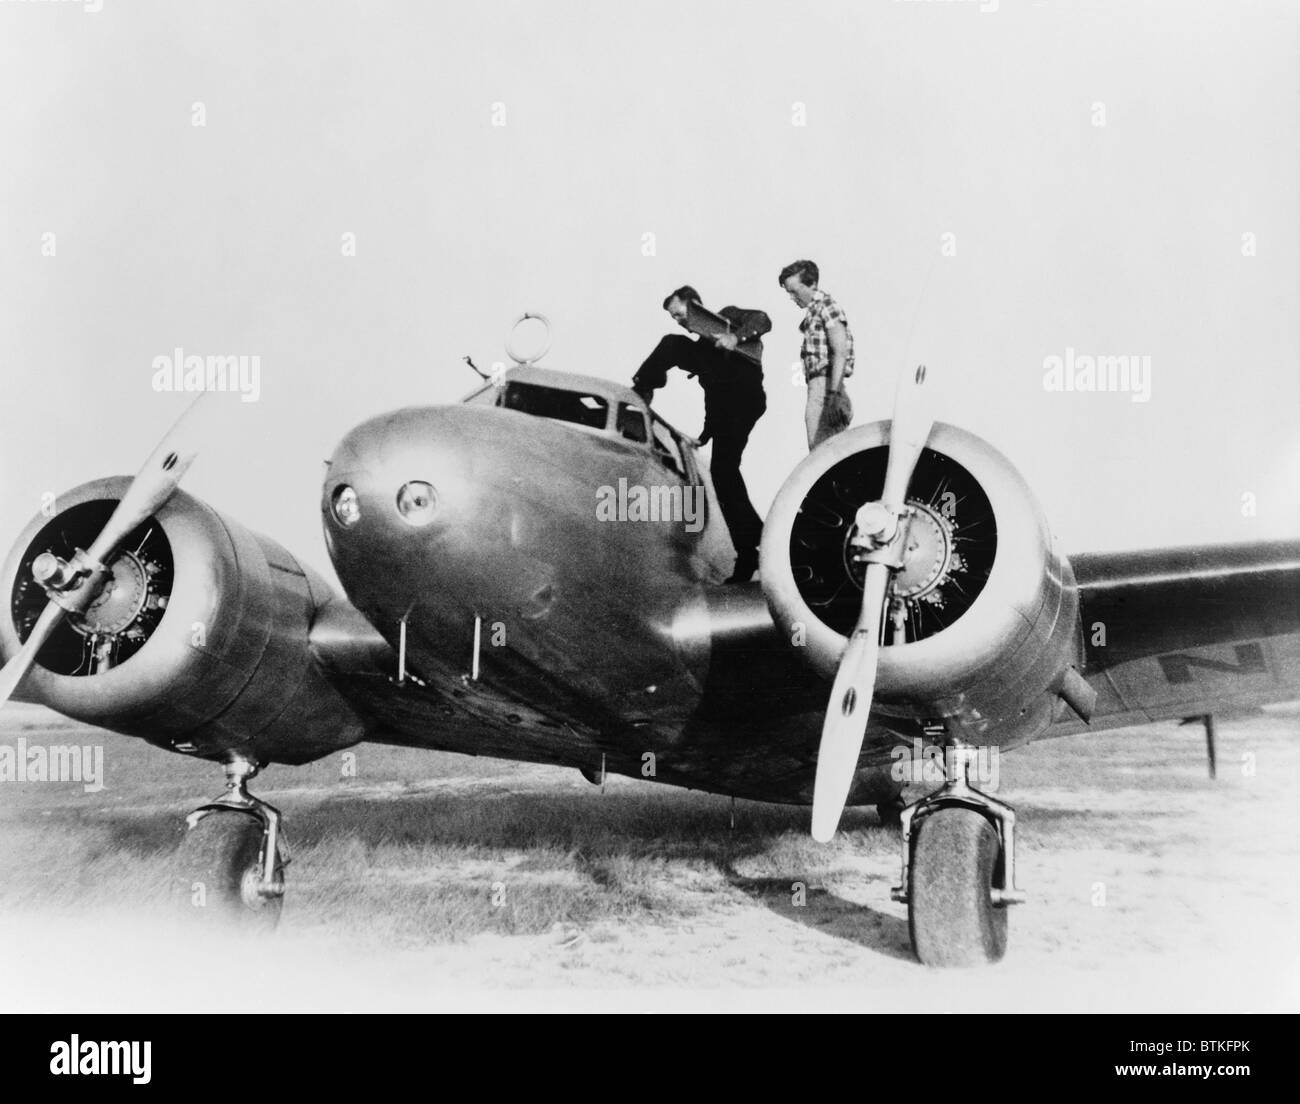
827, 352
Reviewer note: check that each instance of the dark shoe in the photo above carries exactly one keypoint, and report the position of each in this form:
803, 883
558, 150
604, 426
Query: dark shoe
746, 565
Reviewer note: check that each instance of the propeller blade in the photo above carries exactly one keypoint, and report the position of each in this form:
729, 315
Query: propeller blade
156, 481
845, 725
850, 706
12, 673
907, 436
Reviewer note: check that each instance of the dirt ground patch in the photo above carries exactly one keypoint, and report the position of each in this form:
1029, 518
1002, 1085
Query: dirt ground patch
431, 881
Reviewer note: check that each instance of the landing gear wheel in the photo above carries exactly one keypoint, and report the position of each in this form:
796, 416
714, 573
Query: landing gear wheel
218, 875
955, 857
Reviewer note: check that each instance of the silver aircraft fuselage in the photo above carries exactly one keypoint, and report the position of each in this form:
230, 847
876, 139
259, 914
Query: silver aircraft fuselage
558, 598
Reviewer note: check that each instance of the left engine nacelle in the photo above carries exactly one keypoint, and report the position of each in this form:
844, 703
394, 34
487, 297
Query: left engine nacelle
199, 643
982, 625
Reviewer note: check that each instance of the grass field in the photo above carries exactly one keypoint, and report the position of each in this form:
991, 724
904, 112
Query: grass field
432, 880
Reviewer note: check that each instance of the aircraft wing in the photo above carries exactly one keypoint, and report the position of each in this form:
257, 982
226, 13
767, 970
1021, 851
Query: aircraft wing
1187, 631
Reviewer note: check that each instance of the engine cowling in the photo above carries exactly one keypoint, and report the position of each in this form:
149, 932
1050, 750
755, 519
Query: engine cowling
981, 631
199, 643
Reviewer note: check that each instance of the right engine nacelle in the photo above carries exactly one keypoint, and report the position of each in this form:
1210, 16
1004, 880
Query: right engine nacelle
198, 643
982, 629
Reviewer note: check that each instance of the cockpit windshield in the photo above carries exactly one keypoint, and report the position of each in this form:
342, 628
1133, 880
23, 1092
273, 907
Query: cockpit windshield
563, 406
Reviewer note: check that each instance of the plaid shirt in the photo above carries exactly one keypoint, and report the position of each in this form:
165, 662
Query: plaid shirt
816, 350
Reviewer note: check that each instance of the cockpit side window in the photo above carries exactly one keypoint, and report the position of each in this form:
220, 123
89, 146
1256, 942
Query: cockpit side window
631, 423
666, 448
563, 406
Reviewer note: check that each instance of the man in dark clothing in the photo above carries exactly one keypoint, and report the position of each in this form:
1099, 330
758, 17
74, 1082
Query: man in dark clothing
727, 359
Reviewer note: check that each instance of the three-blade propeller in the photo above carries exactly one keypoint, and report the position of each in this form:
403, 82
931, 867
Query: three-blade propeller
147, 494
880, 528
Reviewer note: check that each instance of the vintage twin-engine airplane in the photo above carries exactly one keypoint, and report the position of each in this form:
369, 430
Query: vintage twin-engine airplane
494, 607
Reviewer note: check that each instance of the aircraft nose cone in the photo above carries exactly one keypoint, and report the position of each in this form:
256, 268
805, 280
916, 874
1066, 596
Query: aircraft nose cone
426, 523
399, 476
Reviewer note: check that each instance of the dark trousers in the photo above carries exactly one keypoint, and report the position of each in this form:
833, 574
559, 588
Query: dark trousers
731, 427
733, 402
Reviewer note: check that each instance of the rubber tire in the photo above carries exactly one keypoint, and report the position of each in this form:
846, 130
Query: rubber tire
220, 853
956, 855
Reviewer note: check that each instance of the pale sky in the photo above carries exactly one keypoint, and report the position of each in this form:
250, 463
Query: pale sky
677, 120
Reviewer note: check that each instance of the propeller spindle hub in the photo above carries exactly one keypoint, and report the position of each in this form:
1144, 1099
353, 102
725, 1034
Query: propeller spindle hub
53, 572
876, 523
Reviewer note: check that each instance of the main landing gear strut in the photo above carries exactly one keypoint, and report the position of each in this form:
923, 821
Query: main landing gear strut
230, 865
958, 869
